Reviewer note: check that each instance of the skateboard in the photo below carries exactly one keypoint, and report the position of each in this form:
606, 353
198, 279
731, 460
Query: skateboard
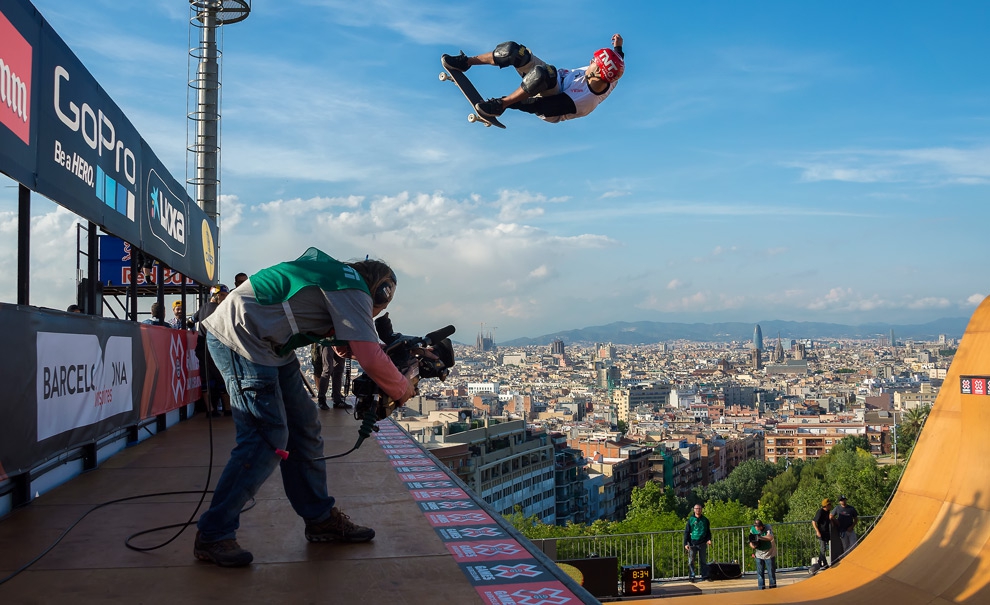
471, 93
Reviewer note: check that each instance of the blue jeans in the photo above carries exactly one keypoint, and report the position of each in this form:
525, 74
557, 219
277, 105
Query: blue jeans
271, 411
702, 552
770, 565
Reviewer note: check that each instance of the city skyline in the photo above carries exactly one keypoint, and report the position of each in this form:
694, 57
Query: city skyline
807, 163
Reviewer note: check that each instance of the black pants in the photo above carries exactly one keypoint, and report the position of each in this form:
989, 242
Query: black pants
330, 374
823, 552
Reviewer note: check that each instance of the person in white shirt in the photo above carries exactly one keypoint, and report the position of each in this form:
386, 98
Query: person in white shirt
552, 94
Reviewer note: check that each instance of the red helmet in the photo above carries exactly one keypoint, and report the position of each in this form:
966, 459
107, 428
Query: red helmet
610, 64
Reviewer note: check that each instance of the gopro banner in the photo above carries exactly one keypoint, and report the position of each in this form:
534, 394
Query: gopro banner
63, 136
75, 378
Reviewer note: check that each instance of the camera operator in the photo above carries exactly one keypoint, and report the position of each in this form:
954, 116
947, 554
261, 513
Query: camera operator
252, 336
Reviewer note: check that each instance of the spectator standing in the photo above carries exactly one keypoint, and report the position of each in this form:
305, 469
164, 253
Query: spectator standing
697, 539
178, 320
239, 279
845, 517
220, 399
157, 315
764, 545
823, 526
331, 377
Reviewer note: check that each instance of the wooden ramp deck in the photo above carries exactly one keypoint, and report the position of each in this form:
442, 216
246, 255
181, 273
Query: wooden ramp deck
407, 563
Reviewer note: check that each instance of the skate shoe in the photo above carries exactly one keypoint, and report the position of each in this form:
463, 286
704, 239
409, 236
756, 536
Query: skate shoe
455, 62
492, 108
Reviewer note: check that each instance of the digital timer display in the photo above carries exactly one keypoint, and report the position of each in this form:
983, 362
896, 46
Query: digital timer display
637, 580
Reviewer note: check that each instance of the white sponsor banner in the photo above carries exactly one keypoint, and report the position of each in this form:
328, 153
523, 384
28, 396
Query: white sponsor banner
79, 384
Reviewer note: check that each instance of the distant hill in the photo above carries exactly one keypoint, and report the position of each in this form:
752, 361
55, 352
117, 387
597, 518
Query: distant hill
648, 332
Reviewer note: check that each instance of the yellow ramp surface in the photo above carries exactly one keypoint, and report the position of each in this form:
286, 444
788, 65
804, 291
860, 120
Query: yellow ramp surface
932, 545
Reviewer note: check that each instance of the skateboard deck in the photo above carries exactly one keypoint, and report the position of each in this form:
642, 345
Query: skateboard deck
470, 93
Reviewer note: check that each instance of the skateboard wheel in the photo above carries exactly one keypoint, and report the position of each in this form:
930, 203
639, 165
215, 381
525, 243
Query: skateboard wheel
443, 76
472, 118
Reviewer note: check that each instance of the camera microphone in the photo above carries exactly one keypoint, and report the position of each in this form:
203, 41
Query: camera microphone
437, 335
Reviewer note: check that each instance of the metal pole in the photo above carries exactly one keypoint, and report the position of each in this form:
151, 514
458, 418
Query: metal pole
23, 245
132, 291
92, 269
208, 102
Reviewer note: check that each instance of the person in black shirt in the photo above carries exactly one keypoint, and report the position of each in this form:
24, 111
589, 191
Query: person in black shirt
823, 525
845, 517
550, 94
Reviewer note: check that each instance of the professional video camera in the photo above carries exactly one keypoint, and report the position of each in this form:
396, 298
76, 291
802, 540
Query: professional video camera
417, 357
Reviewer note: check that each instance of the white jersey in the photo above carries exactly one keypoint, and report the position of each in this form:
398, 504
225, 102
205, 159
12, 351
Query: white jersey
574, 84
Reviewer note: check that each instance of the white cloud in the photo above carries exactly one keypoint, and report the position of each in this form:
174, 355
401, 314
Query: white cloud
541, 272
935, 165
820, 172
53, 258
931, 302
420, 22
457, 246
845, 299
517, 205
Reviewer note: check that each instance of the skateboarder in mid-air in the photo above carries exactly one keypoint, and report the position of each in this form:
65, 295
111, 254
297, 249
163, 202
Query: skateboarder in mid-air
551, 94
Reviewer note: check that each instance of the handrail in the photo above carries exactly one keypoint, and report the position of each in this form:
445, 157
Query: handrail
664, 551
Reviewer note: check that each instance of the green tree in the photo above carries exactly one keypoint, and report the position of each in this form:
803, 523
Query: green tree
745, 483
642, 523
856, 475
773, 507
652, 508
649, 499
853, 442
910, 428
728, 514
807, 499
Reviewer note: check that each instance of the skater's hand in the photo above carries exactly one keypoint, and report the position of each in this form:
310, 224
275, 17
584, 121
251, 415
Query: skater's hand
616, 40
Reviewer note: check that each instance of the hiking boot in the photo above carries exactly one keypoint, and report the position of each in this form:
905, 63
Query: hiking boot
338, 528
323, 405
225, 553
492, 108
455, 62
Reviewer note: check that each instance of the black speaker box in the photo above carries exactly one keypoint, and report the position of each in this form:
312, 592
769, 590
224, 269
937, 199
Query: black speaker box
724, 571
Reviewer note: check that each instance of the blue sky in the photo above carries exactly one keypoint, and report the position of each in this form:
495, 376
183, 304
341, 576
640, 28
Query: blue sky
824, 161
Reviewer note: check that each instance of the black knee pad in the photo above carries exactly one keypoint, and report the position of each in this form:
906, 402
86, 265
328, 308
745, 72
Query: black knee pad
540, 78
510, 53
